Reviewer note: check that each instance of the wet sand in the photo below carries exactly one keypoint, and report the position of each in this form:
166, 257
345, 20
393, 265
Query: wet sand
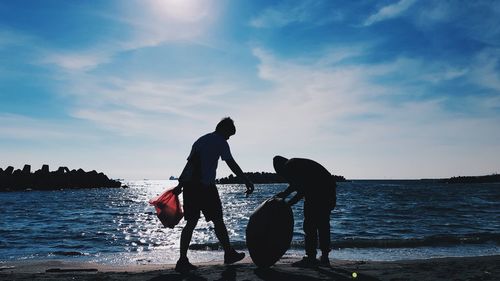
468, 268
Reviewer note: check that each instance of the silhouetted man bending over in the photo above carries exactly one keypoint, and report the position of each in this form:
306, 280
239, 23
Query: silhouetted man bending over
200, 193
317, 186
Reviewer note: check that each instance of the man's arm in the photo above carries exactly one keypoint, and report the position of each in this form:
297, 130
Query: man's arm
237, 170
178, 189
286, 192
296, 198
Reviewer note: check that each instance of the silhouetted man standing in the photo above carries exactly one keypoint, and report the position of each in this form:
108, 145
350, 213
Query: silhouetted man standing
317, 186
200, 193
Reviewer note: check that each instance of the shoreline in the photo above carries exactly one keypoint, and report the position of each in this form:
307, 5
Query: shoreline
452, 268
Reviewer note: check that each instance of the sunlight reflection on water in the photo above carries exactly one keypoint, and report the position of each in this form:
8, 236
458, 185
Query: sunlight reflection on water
119, 224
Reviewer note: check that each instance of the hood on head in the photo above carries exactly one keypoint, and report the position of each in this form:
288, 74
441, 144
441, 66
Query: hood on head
279, 164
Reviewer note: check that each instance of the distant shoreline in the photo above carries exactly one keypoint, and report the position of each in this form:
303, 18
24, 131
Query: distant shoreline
270, 178
494, 178
262, 178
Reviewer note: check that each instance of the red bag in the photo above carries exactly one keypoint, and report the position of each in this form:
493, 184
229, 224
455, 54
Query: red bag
168, 208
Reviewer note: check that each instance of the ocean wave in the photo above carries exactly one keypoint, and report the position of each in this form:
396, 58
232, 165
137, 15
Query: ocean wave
430, 241
215, 246
109, 220
65, 246
68, 253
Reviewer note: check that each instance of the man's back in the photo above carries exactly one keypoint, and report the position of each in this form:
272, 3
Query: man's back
209, 148
314, 179
306, 170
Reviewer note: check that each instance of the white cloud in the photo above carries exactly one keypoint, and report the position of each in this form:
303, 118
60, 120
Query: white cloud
322, 108
64, 59
154, 22
389, 12
277, 18
450, 74
437, 74
81, 145
145, 106
146, 23
339, 54
325, 108
477, 20
437, 11
293, 12
341, 116
19, 127
485, 69
7, 38
76, 61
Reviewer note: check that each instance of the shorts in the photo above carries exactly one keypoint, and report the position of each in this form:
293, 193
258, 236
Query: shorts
205, 198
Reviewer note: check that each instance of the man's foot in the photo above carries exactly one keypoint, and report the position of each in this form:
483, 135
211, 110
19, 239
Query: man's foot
324, 261
306, 262
233, 257
183, 266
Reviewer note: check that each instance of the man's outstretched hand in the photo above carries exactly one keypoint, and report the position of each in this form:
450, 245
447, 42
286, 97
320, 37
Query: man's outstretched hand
281, 195
250, 188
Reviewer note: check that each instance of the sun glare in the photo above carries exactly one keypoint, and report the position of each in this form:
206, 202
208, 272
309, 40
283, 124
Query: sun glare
181, 10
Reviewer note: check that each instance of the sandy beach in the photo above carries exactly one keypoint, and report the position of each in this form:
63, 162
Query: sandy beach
467, 268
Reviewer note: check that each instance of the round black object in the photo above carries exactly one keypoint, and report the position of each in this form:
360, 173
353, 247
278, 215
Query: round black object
269, 232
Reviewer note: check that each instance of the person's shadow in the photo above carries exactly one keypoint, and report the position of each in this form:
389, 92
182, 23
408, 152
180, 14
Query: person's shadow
229, 274
178, 277
269, 274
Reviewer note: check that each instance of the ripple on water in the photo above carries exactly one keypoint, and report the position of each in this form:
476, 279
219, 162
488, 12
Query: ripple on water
121, 220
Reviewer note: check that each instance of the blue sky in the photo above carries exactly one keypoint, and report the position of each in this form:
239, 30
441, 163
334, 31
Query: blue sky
370, 89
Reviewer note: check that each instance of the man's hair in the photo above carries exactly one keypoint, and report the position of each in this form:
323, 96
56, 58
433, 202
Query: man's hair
226, 126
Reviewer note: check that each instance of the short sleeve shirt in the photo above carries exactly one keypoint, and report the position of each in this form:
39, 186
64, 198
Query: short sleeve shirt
210, 148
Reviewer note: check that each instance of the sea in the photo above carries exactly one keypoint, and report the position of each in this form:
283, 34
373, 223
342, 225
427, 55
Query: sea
375, 220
